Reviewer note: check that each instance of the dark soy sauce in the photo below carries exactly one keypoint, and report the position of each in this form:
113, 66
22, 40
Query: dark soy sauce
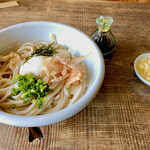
103, 36
106, 45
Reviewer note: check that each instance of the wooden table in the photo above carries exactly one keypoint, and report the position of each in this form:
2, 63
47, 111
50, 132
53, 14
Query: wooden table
119, 116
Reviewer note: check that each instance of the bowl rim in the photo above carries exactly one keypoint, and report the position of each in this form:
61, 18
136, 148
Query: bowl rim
33, 121
135, 68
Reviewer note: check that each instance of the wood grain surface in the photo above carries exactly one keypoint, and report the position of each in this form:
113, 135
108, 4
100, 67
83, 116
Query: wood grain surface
137, 1
118, 118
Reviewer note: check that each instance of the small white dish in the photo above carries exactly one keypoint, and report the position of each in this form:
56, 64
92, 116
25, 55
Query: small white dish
137, 71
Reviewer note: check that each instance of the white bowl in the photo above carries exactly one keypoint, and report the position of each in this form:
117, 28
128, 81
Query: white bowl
13, 36
137, 62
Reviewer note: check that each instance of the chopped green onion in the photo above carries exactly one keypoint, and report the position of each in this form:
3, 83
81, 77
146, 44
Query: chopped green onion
44, 99
31, 88
68, 88
10, 97
24, 102
33, 101
16, 77
51, 89
12, 105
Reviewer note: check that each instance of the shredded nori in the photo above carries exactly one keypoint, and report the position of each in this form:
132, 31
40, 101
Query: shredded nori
44, 50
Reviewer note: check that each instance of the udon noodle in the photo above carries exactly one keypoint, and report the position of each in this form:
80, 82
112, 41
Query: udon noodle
65, 73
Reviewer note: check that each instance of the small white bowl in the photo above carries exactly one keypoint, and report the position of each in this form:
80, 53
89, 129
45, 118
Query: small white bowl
14, 36
137, 71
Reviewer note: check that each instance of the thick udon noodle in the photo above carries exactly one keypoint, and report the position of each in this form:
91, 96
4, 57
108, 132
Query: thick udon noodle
60, 97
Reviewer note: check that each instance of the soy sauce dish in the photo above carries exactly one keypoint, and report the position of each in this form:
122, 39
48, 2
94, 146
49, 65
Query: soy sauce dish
14, 36
142, 67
